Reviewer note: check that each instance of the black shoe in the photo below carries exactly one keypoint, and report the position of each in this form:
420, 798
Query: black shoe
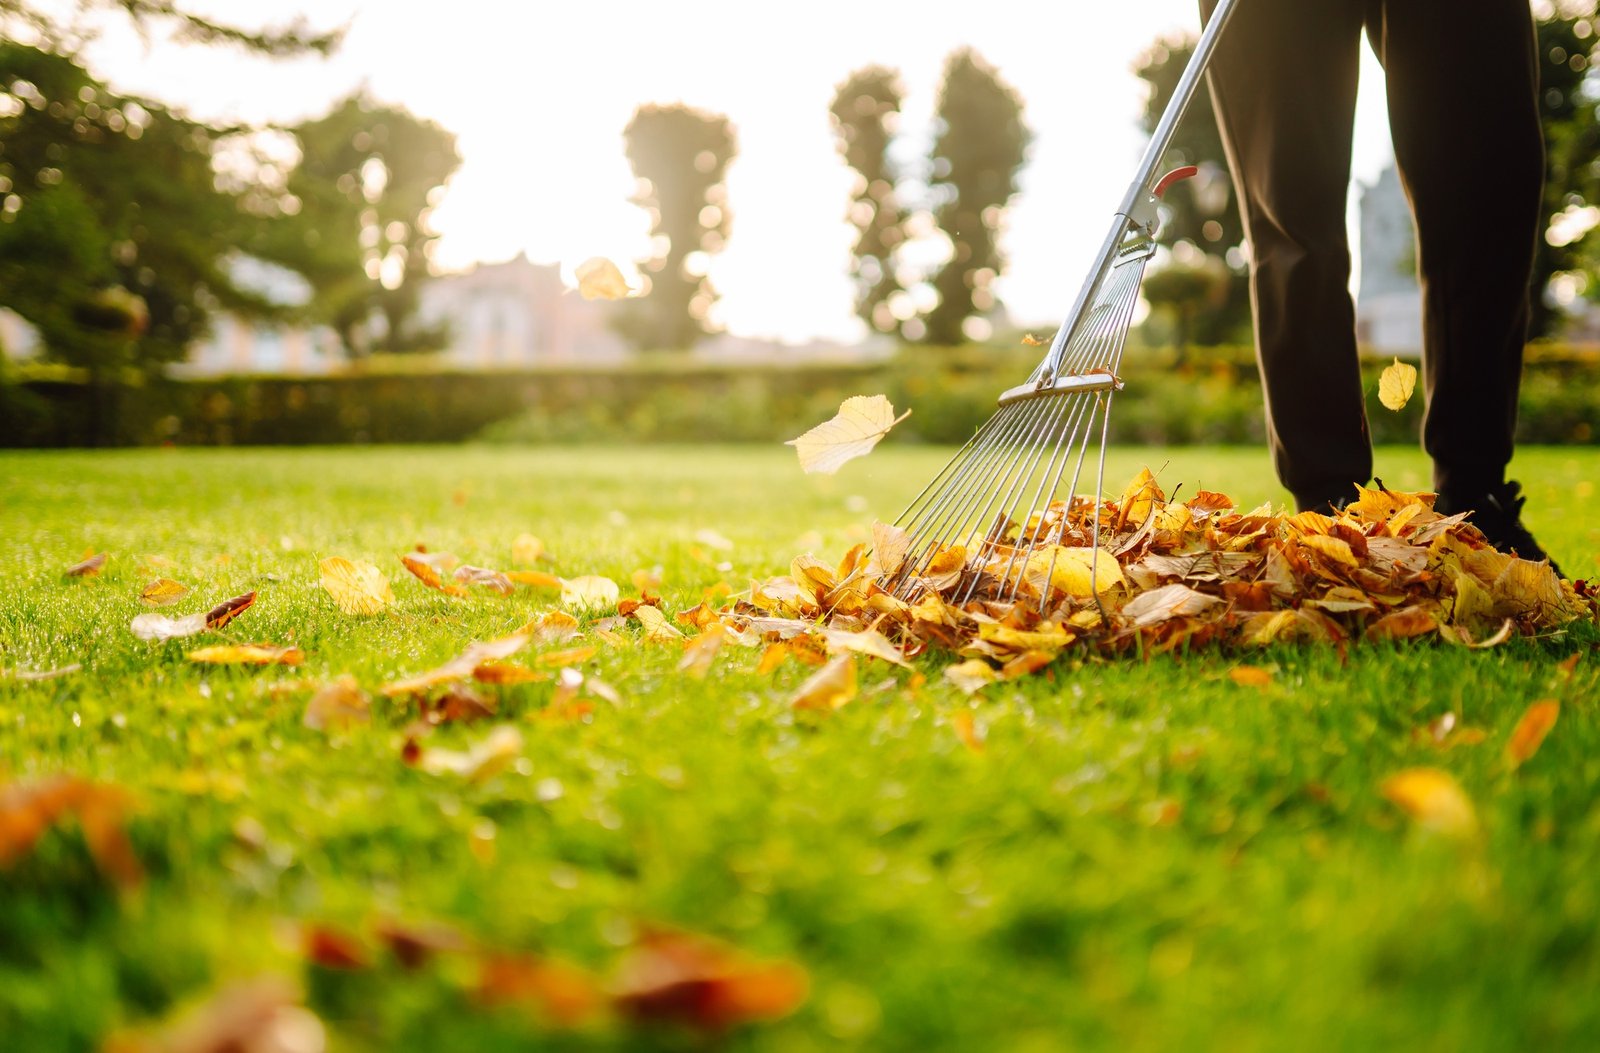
1497, 513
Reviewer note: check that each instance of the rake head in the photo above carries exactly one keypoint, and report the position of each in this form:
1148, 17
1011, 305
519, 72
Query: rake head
1008, 506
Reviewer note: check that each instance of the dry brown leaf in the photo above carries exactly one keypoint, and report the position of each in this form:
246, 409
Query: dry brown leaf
247, 654
1434, 799
357, 587
1402, 624
861, 421
1528, 735
1167, 602
703, 984
486, 578
163, 592
428, 574
338, 706
487, 757
89, 566
159, 627
830, 687
555, 992
600, 279
867, 642
1395, 385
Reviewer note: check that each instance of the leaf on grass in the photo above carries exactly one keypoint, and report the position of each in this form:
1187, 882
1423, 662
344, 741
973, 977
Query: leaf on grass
493, 580
830, 687
357, 587
28, 676
527, 550
571, 656
89, 566
861, 421
29, 809
338, 706
1396, 384
413, 945
1434, 799
332, 948
967, 730
159, 627
488, 756
656, 627
506, 673
553, 627
701, 652
537, 579
1528, 735
589, 592
163, 592
1250, 676
262, 1015
704, 984
971, 676
426, 573
554, 992
461, 666
600, 279
247, 654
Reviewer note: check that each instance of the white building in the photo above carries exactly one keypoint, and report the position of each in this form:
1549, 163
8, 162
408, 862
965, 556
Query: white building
1388, 300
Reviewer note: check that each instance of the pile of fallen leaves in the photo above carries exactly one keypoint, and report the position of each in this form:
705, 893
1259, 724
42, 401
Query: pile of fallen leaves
1166, 574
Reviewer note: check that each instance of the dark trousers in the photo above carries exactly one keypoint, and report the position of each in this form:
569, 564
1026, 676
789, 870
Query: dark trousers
1462, 92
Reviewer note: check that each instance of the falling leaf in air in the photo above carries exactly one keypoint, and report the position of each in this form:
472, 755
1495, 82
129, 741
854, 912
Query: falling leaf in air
830, 687
703, 983
357, 587
338, 705
1528, 735
425, 572
1029, 340
247, 654
1434, 799
600, 279
88, 567
1396, 384
861, 421
589, 592
163, 592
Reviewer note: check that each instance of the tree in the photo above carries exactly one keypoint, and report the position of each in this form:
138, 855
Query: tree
680, 158
1199, 211
1568, 35
115, 238
357, 228
292, 38
865, 111
979, 148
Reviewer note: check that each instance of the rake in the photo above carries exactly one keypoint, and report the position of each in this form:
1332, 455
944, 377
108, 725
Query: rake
1042, 432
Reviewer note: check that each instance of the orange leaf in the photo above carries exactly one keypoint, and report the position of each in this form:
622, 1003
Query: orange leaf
966, 729
426, 574
535, 578
562, 994
702, 651
29, 809
1251, 676
338, 705
332, 948
461, 666
228, 610
704, 984
1528, 735
1434, 799
506, 673
571, 656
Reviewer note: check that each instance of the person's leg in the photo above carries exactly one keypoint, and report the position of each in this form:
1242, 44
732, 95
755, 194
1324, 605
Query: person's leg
1463, 106
1283, 81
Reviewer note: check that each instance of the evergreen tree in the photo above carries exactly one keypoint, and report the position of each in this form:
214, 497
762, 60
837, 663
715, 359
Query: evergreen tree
680, 157
865, 111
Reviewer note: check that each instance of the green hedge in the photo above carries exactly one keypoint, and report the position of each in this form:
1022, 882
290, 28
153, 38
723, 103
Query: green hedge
1214, 398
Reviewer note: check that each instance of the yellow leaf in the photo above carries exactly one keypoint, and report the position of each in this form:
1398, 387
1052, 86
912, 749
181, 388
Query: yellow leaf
526, 549
1396, 384
163, 592
1530, 731
861, 421
570, 656
966, 729
1250, 676
702, 651
830, 687
589, 592
656, 626
1169, 601
338, 705
1046, 636
971, 676
600, 279
461, 666
248, 654
1029, 340
1434, 799
1138, 499
357, 587
1402, 624
1071, 570
536, 578
869, 642
889, 547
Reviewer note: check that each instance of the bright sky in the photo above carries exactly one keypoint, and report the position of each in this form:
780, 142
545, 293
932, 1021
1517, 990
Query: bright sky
538, 94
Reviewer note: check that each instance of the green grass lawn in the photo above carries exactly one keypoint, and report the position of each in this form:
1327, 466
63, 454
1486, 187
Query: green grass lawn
1143, 855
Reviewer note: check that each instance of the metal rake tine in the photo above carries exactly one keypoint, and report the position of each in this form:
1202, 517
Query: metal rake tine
969, 445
